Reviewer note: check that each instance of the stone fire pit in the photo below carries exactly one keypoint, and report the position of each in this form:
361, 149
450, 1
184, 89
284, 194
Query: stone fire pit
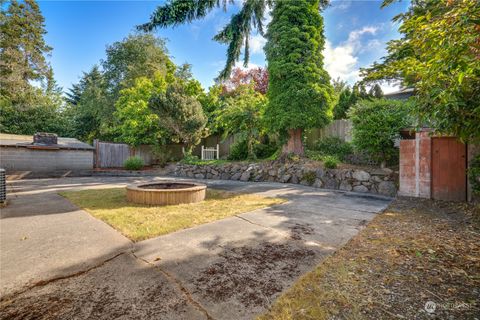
166, 193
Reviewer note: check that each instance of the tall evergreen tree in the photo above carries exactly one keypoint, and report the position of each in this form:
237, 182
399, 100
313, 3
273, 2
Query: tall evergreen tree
22, 52
299, 88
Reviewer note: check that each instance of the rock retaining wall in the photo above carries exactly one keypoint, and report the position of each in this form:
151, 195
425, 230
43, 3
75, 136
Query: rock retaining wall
372, 180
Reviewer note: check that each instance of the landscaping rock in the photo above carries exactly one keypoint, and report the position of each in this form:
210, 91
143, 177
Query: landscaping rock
318, 183
387, 188
345, 185
245, 176
236, 176
360, 188
361, 175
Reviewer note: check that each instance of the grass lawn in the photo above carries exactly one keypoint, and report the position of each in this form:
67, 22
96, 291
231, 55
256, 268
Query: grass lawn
416, 251
140, 222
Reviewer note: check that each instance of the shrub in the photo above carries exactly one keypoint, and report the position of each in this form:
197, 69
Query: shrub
161, 154
264, 151
474, 174
330, 162
314, 155
239, 150
133, 163
334, 146
376, 124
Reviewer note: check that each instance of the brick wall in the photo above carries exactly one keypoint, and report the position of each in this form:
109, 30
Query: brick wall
24, 159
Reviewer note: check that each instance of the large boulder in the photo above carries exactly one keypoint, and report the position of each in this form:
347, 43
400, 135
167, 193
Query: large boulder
361, 175
387, 188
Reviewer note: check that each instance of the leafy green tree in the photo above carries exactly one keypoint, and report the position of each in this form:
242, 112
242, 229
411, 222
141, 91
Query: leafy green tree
438, 55
346, 100
137, 124
376, 123
180, 114
242, 115
299, 90
22, 52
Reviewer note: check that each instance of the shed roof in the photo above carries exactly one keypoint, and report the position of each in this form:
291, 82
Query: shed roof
25, 141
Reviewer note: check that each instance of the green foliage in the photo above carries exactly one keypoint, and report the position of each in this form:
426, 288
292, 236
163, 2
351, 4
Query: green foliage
242, 116
314, 155
474, 174
334, 146
299, 91
41, 118
438, 55
346, 100
182, 115
376, 91
133, 163
161, 154
137, 124
88, 106
309, 177
330, 162
22, 52
239, 150
376, 124
265, 150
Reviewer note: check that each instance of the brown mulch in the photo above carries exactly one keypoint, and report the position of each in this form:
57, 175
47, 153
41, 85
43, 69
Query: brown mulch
415, 252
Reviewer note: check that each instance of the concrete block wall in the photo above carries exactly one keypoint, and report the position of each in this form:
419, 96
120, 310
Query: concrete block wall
34, 160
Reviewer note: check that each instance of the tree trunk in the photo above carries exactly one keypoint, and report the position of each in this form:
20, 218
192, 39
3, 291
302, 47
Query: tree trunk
294, 143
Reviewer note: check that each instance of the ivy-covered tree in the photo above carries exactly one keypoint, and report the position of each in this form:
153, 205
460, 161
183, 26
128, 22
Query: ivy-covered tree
180, 114
304, 30
299, 88
438, 55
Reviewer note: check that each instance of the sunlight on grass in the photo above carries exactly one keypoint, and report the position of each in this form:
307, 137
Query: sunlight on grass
139, 222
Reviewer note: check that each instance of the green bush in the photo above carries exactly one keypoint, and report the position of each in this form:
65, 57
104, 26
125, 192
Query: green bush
334, 146
376, 124
330, 162
314, 155
133, 163
239, 150
474, 174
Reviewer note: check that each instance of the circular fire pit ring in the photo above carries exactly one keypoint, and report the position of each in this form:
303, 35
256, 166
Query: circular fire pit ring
166, 192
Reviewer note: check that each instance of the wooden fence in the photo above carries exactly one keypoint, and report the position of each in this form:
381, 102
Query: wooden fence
113, 155
338, 128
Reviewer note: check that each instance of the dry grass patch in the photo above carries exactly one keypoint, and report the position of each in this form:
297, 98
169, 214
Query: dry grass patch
417, 251
139, 222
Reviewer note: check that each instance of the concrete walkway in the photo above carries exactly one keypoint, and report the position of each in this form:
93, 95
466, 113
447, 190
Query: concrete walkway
54, 254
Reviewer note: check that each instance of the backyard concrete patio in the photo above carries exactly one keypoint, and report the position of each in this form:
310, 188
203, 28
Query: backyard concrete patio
64, 262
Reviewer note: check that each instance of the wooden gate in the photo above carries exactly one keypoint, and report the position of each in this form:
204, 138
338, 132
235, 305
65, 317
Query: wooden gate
449, 181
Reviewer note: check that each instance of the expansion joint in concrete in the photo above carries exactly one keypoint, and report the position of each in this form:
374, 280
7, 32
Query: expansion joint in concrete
179, 285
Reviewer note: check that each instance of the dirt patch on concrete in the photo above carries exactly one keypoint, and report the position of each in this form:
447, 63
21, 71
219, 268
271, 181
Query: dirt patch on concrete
298, 230
122, 288
252, 275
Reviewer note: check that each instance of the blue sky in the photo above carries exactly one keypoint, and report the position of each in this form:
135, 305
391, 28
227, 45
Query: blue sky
79, 31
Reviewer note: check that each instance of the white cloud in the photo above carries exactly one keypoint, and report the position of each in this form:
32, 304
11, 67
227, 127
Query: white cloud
256, 43
342, 61
239, 64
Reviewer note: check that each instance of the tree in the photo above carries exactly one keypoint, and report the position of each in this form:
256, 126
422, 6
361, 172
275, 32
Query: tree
438, 55
89, 106
241, 77
376, 124
242, 115
180, 114
137, 124
346, 100
299, 90
22, 52
375, 91
311, 83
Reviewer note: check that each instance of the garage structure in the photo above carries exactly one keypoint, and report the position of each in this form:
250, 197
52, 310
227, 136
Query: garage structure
433, 166
44, 155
